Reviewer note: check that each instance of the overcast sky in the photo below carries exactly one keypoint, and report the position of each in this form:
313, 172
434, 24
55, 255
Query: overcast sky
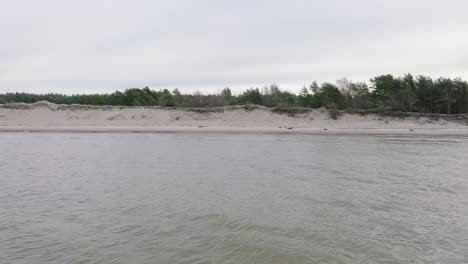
104, 45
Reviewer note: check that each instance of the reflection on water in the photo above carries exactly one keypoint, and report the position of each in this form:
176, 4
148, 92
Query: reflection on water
150, 198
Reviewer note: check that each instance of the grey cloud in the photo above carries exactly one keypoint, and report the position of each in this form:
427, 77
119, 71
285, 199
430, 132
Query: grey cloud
82, 46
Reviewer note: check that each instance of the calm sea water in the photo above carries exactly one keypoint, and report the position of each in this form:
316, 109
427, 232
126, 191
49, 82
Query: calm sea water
172, 198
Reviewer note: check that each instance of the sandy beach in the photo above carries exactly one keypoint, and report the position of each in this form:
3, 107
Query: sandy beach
47, 117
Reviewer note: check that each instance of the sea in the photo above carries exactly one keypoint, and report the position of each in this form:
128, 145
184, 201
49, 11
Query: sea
232, 198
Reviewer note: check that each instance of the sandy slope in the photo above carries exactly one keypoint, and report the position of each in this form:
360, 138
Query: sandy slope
44, 116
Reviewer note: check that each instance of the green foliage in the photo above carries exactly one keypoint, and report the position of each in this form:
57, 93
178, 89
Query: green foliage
399, 94
227, 96
166, 99
251, 96
333, 111
286, 99
328, 94
305, 98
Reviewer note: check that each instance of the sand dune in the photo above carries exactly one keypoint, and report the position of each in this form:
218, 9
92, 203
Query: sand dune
44, 116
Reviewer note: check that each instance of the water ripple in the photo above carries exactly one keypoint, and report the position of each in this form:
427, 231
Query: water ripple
149, 198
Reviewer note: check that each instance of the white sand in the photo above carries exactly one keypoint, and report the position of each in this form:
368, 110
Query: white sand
46, 117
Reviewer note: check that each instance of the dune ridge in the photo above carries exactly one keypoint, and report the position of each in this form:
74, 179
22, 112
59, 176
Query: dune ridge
48, 117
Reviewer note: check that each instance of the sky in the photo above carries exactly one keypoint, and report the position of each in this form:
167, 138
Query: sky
99, 46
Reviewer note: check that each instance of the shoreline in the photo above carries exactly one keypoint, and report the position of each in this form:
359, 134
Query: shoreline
47, 117
238, 130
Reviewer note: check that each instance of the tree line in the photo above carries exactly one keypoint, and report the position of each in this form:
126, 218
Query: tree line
402, 93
